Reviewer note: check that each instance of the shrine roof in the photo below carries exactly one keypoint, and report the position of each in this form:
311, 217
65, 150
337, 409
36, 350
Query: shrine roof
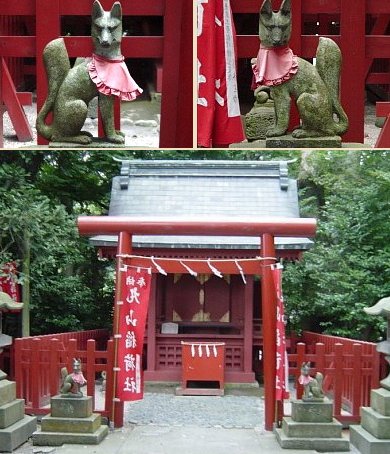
230, 189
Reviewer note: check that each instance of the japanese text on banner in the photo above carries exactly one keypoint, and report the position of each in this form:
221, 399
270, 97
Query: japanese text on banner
281, 376
132, 320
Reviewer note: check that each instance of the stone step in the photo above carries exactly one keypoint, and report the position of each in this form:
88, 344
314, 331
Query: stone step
59, 438
380, 401
7, 391
375, 423
71, 407
367, 443
311, 429
17, 434
317, 444
11, 413
79, 425
312, 411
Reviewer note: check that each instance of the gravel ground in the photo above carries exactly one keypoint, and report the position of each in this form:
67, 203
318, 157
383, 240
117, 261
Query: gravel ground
241, 412
141, 124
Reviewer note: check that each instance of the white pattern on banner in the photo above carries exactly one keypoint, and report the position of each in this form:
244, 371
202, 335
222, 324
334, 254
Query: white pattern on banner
231, 78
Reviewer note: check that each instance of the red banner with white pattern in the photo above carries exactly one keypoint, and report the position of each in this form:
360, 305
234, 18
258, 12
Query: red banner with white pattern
8, 281
281, 376
219, 118
132, 319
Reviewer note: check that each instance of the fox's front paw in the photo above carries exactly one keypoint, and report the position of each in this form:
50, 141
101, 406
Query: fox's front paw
117, 137
275, 132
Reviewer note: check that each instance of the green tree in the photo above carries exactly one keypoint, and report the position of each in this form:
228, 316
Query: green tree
348, 267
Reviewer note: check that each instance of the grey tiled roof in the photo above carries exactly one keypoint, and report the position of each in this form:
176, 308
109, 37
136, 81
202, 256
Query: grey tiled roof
230, 189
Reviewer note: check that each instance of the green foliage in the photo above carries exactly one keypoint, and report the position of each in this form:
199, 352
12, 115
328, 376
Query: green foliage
42, 193
348, 267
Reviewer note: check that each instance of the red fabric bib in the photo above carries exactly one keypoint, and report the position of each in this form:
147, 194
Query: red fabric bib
274, 66
112, 77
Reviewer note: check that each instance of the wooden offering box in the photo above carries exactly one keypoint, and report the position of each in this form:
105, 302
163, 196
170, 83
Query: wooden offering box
202, 368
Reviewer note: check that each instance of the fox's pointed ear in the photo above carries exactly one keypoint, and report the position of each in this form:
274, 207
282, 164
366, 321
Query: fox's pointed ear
97, 10
266, 10
116, 10
286, 7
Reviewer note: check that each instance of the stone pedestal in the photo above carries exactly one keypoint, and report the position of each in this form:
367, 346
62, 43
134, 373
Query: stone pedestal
71, 421
372, 436
15, 426
312, 426
288, 141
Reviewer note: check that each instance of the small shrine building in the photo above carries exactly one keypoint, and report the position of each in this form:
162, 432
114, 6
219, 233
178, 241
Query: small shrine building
205, 307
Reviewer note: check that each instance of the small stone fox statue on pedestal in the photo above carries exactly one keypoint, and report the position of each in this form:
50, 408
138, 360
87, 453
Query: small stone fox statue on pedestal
312, 386
282, 75
71, 89
71, 383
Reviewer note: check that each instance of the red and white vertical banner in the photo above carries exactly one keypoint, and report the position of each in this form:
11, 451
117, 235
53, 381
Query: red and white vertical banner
219, 118
8, 281
281, 376
132, 319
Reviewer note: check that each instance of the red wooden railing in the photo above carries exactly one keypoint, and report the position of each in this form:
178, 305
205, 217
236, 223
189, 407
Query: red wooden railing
358, 48
40, 359
351, 369
174, 48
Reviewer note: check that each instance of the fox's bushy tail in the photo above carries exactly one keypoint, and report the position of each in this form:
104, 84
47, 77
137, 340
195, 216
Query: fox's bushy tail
56, 60
329, 66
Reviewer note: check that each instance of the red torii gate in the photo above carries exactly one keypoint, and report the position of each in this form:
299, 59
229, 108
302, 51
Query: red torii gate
265, 228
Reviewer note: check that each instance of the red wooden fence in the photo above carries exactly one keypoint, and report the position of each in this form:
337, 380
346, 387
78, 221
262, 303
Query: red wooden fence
174, 48
40, 359
359, 48
351, 369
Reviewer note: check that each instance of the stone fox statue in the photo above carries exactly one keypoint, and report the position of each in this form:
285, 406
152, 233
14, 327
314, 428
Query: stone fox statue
312, 386
71, 383
71, 89
283, 75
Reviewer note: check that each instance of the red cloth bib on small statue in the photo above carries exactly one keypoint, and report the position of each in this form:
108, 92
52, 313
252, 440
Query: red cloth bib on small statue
112, 77
274, 66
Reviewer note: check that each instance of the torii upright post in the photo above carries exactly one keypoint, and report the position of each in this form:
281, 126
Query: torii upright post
124, 248
268, 302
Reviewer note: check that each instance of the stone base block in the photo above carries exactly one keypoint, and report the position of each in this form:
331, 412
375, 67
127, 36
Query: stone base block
311, 429
17, 434
311, 411
317, 444
375, 423
7, 391
288, 141
3, 375
367, 443
59, 438
67, 407
76, 425
11, 413
380, 401
96, 143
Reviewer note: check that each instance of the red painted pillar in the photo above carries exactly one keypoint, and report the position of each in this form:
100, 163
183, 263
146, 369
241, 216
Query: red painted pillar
353, 72
151, 350
1, 108
268, 302
248, 324
124, 247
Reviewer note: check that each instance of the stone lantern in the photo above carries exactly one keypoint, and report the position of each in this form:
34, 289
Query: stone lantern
382, 307
372, 436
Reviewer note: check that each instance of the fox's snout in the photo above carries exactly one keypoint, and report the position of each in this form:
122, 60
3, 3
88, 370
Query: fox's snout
105, 38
